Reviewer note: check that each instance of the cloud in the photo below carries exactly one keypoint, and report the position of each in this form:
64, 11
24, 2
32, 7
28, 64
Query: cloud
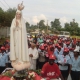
63, 19
36, 19
42, 16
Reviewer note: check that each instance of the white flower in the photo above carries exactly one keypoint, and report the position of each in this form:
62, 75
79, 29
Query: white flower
42, 79
32, 74
28, 76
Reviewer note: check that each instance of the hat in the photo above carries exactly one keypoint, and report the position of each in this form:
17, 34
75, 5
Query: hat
51, 46
56, 45
41, 47
59, 42
7, 40
52, 57
68, 42
66, 50
44, 45
47, 55
71, 48
76, 50
59, 47
2, 48
6, 48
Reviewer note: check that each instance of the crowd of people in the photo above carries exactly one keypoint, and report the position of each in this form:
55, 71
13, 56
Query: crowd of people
57, 57
65, 52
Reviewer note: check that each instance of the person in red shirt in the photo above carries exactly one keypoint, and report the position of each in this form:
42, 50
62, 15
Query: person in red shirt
51, 70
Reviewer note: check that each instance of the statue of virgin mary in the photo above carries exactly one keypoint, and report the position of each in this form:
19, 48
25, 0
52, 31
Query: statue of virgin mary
18, 41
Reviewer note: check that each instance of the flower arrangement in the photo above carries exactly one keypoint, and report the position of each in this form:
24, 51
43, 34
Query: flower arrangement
31, 76
37, 71
8, 73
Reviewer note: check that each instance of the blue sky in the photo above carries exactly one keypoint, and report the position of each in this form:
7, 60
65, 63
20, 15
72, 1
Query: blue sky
36, 10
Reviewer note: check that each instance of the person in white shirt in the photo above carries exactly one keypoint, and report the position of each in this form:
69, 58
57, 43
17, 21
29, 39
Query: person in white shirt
63, 61
3, 60
75, 65
57, 52
71, 52
33, 55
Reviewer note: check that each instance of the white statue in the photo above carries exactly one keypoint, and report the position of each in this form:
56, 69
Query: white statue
18, 41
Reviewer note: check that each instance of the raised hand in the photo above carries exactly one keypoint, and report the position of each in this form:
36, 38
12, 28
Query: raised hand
17, 24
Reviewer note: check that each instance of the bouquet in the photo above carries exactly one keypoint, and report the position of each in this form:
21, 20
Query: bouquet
31, 76
8, 73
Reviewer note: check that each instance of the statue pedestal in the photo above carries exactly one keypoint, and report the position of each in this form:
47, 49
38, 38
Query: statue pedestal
21, 68
20, 65
20, 75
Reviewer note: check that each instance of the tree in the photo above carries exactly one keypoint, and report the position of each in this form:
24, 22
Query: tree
72, 27
67, 27
27, 24
56, 24
6, 17
1, 17
9, 15
41, 24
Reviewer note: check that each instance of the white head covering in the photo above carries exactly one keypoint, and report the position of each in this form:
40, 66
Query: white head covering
18, 11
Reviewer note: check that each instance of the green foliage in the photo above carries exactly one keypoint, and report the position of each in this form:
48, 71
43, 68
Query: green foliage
72, 27
27, 24
2, 40
41, 24
6, 17
56, 24
38, 71
8, 74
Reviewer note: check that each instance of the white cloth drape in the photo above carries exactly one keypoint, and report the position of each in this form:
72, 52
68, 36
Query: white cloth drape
18, 41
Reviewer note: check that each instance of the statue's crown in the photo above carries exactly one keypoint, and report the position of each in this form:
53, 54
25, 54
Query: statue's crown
20, 6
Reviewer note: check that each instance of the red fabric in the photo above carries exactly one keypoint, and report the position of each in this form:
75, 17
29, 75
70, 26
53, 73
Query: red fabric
5, 78
2, 48
42, 47
66, 50
59, 47
74, 41
51, 71
56, 45
47, 55
37, 77
7, 46
7, 40
52, 57
50, 52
